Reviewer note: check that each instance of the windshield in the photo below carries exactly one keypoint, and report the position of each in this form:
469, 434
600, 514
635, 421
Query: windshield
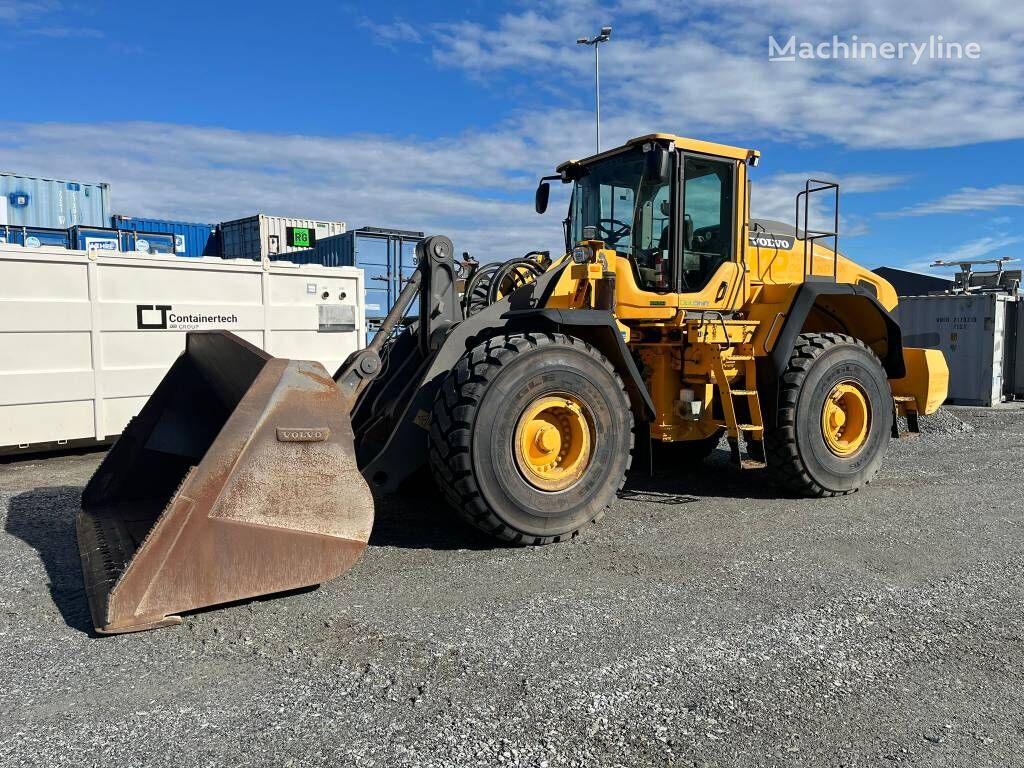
630, 213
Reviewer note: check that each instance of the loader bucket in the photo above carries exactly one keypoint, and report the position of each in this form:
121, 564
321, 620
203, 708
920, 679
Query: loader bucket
238, 478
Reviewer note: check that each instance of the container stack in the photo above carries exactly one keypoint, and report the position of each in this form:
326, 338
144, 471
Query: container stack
387, 256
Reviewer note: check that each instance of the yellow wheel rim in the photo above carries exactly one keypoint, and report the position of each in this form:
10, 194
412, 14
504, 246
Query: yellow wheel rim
845, 419
553, 442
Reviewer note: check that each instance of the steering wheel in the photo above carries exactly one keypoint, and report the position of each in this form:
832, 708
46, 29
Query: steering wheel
706, 239
613, 230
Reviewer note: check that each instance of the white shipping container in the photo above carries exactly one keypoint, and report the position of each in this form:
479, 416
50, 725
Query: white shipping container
262, 236
85, 337
971, 331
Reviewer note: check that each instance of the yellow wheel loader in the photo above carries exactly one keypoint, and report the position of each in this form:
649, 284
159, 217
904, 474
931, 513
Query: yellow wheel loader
672, 320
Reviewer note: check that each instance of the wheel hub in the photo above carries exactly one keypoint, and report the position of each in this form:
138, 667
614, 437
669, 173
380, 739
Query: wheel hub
552, 443
845, 419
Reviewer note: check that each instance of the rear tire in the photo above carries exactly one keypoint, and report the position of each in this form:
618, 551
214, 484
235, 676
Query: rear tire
812, 451
476, 445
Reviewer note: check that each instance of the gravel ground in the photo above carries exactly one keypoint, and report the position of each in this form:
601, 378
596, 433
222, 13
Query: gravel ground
704, 621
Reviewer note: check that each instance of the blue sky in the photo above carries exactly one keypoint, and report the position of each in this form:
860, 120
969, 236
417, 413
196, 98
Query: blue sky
441, 116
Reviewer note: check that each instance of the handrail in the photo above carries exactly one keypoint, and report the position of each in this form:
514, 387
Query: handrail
811, 236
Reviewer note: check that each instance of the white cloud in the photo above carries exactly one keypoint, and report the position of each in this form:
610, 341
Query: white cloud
701, 67
774, 197
397, 31
968, 199
475, 188
62, 33
981, 248
16, 11
976, 249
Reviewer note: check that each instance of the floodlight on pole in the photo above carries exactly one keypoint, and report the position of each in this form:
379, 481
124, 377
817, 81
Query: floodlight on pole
602, 37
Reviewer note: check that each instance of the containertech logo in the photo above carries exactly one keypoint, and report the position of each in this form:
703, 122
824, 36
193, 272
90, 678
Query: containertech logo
162, 317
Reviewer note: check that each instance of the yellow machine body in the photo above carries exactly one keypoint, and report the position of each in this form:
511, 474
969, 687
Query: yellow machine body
739, 313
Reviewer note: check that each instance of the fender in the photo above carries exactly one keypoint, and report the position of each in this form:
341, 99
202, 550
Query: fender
403, 450
598, 328
806, 295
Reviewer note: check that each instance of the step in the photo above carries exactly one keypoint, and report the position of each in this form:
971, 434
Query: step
738, 357
750, 427
743, 461
746, 392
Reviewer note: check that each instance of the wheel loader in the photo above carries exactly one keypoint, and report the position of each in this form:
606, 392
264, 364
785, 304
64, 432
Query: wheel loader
672, 320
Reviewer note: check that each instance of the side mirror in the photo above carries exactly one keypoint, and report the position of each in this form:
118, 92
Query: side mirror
540, 199
657, 163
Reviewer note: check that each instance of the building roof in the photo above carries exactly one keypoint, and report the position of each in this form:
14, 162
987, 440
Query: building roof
910, 283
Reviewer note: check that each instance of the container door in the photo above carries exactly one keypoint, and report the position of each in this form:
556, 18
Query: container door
1018, 354
405, 253
997, 332
35, 237
98, 240
371, 255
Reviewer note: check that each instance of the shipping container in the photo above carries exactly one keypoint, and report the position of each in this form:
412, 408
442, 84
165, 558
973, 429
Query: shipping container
263, 237
29, 201
35, 237
191, 239
386, 256
95, 239
87, 337
147, 242
973, 334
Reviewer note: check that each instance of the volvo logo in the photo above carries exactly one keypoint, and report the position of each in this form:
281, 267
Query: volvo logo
782, 242
302, 435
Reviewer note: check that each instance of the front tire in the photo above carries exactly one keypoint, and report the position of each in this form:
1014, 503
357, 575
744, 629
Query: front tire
834, 420
531, 436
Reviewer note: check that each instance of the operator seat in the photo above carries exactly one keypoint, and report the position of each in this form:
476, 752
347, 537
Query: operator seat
666, 211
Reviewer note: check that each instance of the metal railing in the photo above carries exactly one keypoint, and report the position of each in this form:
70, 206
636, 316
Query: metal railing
811, 236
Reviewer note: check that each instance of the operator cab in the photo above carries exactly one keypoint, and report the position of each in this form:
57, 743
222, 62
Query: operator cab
668, 205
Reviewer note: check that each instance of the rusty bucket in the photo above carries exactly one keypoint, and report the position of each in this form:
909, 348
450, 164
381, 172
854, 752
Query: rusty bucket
237, 479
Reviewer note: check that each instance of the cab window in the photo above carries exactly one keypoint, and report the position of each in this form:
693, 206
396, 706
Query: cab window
630, 213
707, 220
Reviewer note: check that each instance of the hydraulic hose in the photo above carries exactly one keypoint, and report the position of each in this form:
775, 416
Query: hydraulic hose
493, 281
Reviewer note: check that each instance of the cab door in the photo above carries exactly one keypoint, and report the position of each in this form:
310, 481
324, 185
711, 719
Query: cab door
711, 200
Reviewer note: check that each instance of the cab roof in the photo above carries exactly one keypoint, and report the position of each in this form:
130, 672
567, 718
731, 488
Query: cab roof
680, 142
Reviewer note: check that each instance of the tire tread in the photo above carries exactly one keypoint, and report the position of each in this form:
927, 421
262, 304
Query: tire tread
452, 420
783, 455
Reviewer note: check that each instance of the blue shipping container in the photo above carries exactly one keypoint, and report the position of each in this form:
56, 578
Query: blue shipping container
147, 242
35, 237
386, 256
191, 239
28, 201
95, 238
